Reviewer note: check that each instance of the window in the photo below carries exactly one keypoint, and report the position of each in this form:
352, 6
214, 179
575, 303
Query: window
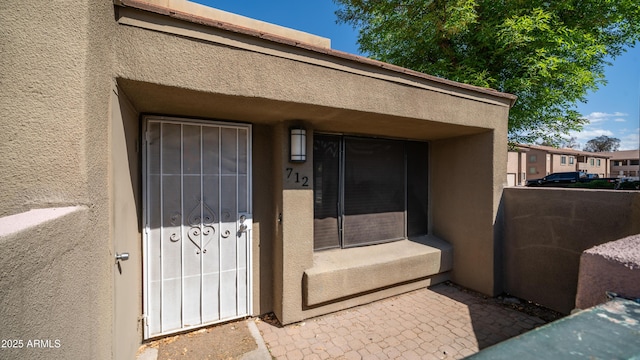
634, 162
368, 191
563, 160
532, 170
571, 158
533, 158
591, 162
598, 162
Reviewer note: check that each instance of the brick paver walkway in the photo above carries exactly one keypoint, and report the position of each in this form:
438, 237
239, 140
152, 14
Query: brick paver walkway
442, 322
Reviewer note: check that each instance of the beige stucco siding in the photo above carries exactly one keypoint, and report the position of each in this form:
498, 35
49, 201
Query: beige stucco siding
76, 83
265, 219
239, 78
167, 74
462, 212
37, 62
56, 64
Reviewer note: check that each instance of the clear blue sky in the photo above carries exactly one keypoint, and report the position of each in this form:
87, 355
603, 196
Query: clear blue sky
614, 110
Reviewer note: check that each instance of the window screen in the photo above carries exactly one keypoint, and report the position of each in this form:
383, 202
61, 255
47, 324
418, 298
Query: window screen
374, 193
368, 190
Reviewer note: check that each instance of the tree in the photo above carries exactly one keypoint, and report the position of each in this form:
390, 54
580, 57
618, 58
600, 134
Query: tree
561, 143
570, 143
548, 53
602, 143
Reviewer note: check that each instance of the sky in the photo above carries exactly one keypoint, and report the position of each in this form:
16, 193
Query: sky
613, 110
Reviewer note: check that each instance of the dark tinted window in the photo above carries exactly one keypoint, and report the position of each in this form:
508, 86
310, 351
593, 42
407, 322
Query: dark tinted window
368, 190
326, 176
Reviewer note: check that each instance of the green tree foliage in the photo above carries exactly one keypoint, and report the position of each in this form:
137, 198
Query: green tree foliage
602, 143
548, 53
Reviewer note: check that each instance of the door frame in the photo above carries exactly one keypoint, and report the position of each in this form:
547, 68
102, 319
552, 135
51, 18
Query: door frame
145, 218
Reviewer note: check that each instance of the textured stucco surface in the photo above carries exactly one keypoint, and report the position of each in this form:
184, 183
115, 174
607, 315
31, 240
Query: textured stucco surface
44, 295
612, 266
345, 273
38, 62
68, 141
464, 211
238, 78
625, 251
56, 76
546, 230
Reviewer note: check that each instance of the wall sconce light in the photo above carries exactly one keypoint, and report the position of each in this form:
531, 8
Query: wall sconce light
298, 139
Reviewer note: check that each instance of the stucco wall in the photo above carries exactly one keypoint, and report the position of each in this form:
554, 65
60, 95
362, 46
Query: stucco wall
467, 176
610, 267
44, 295
229, 77
265, 218
546, 231
56, 64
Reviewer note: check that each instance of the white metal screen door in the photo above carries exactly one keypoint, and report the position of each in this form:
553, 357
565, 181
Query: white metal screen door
197, 224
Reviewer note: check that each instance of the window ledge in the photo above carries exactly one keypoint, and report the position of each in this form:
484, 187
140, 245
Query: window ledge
343, 273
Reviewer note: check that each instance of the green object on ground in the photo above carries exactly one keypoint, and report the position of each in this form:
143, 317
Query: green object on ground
607, 331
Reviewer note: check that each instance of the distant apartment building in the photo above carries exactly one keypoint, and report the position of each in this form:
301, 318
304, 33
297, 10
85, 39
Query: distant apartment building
624, 163
517, 167
540, 161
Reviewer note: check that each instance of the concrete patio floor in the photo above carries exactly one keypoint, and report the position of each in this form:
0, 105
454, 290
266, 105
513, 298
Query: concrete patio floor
442, 322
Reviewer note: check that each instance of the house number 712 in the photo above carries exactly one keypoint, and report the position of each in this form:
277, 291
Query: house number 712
299, 179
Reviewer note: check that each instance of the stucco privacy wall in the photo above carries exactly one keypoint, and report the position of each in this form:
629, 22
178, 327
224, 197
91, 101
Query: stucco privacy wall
546, 231
56, 76
609, 267
44, 296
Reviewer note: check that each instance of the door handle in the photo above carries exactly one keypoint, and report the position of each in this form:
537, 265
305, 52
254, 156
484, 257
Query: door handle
123, 256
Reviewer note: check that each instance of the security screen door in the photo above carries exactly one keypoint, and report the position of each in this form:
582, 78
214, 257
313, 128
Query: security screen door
197, 224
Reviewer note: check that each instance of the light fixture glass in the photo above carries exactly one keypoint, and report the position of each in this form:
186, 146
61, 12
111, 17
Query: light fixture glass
298, 151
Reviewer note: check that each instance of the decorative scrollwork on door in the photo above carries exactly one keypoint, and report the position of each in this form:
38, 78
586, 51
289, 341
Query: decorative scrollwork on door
226, 216
201, 221
175, 221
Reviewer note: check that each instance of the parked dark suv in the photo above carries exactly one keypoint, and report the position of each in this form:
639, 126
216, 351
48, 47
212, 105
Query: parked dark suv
561, 179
